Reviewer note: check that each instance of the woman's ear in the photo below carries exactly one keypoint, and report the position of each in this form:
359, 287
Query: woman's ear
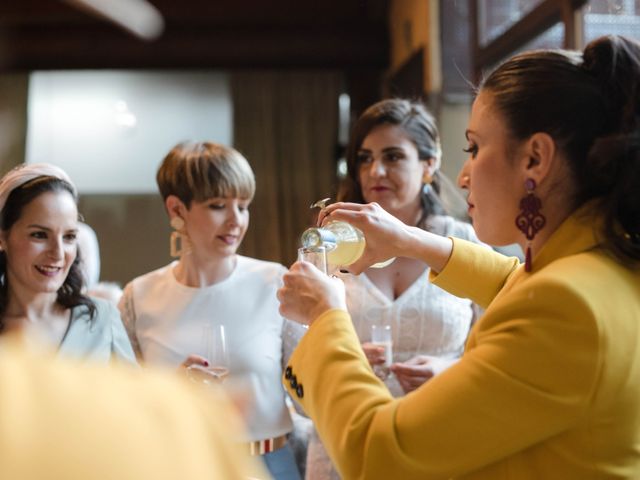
175, 207
429, 168
539, 156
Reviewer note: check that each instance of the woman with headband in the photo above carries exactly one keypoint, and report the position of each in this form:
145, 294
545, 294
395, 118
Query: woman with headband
40, 278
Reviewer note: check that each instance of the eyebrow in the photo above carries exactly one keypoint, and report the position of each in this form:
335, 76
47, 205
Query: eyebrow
387, 149
35, 225
42, 227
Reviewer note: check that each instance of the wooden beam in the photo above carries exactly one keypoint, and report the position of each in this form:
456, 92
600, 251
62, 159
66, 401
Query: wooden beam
48, 34
536, 22
102, 46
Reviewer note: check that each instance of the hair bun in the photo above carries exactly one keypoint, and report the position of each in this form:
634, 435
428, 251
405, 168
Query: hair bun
614, 62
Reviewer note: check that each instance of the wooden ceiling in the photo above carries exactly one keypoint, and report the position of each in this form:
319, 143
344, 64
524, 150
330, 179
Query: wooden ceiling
348, 34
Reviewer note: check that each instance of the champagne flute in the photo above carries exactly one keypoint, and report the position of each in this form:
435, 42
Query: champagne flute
381, 336
215, 343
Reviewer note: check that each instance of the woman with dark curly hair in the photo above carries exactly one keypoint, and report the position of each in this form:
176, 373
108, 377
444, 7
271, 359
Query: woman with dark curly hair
40, 278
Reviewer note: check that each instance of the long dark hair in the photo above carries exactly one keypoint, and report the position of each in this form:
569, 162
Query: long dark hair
589, 104
70, 293
418, 124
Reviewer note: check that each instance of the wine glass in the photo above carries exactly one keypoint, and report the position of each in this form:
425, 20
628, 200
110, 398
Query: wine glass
215, 347
381, 336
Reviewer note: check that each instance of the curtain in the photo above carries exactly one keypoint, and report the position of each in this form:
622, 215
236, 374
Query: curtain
285, 123
13, 119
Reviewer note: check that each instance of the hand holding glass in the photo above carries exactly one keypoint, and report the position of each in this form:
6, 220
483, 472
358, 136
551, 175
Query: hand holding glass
216, 353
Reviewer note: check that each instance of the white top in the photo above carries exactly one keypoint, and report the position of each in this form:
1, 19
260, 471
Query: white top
165, 321
425, 320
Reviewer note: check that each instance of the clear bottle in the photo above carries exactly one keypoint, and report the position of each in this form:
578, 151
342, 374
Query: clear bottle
343, 242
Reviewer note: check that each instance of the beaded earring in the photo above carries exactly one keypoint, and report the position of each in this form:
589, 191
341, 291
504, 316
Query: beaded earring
530, 221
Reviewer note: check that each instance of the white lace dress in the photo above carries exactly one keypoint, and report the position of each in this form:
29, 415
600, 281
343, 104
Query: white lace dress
425, 320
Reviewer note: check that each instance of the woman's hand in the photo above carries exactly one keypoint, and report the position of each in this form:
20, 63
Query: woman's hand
374, 353
307, 293
416, 371
385, 234
193, 360
387, 237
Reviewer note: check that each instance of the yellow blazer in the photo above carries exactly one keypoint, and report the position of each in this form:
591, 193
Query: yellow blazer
67, 421
548, 387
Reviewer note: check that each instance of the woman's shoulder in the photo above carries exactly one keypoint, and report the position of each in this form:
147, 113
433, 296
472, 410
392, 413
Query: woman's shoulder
105, 310
586, 272
102, 304
151, 277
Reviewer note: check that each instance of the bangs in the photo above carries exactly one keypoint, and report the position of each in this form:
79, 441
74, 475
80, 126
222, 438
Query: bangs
221, 177
200, 171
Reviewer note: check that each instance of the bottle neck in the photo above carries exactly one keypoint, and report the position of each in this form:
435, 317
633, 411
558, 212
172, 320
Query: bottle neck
318, 237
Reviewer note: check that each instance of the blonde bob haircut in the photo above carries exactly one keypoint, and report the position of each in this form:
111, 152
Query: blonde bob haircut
198, 171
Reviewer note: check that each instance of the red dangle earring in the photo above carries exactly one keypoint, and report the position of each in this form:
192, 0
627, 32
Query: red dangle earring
530, 221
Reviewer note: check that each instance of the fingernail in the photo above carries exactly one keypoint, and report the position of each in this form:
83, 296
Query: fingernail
342, 270
206, 364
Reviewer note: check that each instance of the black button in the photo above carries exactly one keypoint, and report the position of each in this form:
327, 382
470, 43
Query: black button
293, 382
300, 391
287, 373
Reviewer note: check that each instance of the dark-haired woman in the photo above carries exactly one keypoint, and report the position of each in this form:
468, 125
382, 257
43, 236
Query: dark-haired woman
40, 278
393, 159
549, 383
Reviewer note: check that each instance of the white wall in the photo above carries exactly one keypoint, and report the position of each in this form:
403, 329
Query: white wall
453, 121
111, 129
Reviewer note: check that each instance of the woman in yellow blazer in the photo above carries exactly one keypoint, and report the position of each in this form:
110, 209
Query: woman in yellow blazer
549, 385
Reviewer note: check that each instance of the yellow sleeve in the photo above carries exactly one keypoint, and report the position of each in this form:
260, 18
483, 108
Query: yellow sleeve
529, 376
474, 272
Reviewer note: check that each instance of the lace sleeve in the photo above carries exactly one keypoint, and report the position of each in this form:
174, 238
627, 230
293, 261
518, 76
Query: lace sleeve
128, 315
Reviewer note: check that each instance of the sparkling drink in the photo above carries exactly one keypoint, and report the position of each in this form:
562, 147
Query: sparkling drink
215, 350
381, 336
